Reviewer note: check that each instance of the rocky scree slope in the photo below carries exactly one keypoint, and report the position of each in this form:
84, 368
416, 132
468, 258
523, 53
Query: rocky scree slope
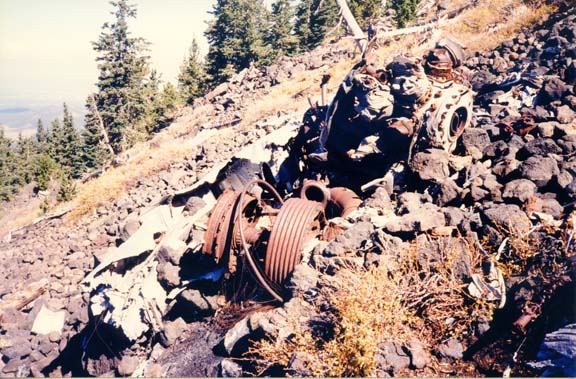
515, 168
42, 265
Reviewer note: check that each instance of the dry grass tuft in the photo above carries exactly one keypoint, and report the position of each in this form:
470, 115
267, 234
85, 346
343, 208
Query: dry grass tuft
374, 306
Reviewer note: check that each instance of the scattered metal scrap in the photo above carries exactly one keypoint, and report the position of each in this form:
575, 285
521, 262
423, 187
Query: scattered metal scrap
269, 232
267, 223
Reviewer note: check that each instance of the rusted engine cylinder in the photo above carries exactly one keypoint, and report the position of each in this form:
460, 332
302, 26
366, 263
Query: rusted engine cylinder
298, 221
275, 247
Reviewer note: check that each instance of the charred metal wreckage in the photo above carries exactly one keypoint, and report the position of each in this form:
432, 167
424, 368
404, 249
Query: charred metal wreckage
250, 220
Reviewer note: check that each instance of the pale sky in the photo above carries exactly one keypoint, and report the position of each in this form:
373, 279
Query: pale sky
45, 51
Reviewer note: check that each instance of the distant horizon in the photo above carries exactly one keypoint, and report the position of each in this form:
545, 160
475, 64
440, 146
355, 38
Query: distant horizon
46, 56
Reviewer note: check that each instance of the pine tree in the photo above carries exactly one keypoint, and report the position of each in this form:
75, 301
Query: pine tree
44, 169
236, 38
72, 149
166, 107
41, 136
24, 156
366, 11
55, 141
314, 19
9, 180
282, 37
405, 11
192, 78
123, 69
95, 151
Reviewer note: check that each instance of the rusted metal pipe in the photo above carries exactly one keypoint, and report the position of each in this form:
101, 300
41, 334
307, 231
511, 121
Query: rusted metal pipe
315, 191
346, 199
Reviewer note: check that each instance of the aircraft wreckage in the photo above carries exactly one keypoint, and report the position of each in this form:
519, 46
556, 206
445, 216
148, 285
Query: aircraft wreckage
248, 219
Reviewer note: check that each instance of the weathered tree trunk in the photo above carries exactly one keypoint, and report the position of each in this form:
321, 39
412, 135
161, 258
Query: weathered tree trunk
353, 26
102, 127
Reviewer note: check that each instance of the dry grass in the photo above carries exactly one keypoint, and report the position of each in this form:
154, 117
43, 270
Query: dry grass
374, 306
146, 159
493, 21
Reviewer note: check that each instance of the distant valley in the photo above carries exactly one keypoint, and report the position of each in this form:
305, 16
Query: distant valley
23, 117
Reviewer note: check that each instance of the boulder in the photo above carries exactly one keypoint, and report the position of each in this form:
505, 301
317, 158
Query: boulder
419, 357
450, 350
539, 146
230, 369
507, 216
518, 191
565, 114
447, 192
168, 274
475, 137
197, 303
172, 330
429, 216
128, 364
350, 241
432, 165
391, 357
552, 90
239, 332
172, 250
568, 143
539, 169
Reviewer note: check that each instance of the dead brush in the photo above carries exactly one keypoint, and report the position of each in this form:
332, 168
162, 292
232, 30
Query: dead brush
376, 305
433, 291
367, 310
541, 252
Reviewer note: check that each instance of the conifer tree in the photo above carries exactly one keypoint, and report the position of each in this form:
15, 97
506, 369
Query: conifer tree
25, 153
95, 150
405, 11
55, 141
166, 106
282, 37
9, 180
72, 146
44, 169
41, 136
122, 72
314, 18
366, 11
192, 77
236, 38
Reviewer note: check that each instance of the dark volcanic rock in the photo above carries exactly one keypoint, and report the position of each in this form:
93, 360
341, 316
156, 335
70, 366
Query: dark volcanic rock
431, 164
475, 138
507, 216
519, 190
539, 146
539, 169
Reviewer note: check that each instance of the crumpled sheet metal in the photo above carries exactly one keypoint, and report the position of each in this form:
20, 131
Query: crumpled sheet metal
135, 301
48, 321
131, 303
489, 287
159, 219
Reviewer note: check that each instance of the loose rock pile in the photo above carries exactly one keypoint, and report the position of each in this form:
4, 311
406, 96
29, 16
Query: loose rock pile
511, 179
